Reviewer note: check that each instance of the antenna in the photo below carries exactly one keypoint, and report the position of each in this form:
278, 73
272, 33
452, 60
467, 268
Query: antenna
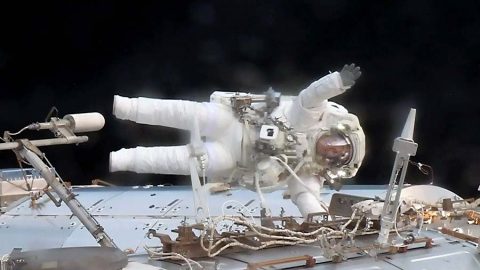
405, 147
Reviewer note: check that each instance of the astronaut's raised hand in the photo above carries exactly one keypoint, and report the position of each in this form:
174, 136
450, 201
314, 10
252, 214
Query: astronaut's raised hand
349, 74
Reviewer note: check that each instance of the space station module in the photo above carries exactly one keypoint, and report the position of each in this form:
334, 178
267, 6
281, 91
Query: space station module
261, 142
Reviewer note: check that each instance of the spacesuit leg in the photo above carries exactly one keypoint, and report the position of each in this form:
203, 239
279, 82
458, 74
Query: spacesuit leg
212, 118
307, 200
161, 160
171, 160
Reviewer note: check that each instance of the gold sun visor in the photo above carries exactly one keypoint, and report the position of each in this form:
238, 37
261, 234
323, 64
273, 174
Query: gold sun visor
333, 149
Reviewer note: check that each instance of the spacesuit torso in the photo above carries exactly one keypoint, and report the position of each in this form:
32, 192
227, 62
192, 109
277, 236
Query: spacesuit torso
265, 134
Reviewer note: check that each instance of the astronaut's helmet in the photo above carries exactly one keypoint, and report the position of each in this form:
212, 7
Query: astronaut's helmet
337, 144
333, 149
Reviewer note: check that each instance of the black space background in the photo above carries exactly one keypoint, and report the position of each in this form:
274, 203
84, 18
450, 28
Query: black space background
422, 54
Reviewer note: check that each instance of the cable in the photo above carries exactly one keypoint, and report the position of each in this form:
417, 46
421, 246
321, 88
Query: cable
278, 236
18, 132
395, 224
424, 168
349, 221
147, 235
421, 223
266, 244
278, 240
420, 226
286, 158
249, 211
295, 176
171, 255
263, 202
355, 229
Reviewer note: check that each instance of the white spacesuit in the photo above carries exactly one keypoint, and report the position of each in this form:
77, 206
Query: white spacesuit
261, 142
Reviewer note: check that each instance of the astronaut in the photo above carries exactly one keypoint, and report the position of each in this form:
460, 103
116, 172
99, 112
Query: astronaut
262, 142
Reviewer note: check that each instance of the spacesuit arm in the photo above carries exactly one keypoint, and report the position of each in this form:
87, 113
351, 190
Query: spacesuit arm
319, 91
306, 110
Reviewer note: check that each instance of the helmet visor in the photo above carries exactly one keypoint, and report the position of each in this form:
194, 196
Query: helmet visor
333, 149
